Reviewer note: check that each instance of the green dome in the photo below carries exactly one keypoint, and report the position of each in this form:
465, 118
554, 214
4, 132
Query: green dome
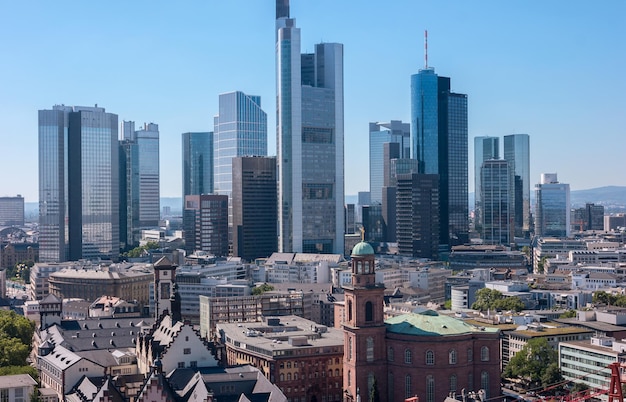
362, 248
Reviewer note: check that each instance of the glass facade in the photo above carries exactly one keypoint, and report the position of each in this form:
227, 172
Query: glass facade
12, 211
485, 148
309, 144
496, 193
439, 143
197, 163
553, 207
517, 153
381, 133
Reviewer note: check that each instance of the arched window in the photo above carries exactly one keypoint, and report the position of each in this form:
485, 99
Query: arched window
484, 382
452, 356
330, 372
369, 349
407, 387
349, 310
453, 383
369, 311
288, 376
407, 356
282, 377
484, 354
470, 355
349, 378
430, 358
430, 389
390, 353
370, 382
349, 348
336, 372
295, 376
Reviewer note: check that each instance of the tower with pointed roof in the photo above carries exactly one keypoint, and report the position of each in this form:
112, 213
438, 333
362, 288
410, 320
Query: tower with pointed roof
164, 281
50, 311
364, 326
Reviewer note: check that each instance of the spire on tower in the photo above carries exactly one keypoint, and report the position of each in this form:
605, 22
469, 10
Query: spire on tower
425, 48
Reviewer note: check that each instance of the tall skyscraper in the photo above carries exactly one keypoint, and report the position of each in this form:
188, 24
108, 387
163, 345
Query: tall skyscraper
439, 143
417, 218
309, 141
197, 163
497, 202
240, 130
381, 133
255, 207
205, 222
517, 153
485, 148
139, 181
553, 207
78, 184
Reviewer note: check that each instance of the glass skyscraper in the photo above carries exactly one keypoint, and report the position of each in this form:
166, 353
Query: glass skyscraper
439, 143
309, 141
78, 184
496, 196
139, 179
517, 153
553, 207
485, 148
197, 163
381, 133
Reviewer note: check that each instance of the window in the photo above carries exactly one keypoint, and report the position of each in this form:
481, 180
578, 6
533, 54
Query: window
452, 356
4, 395
453, 383
484, 382
282, 377
187, 351
390, 387
430, 388
349, 348
349, 310
470, 355
288, 376
193, 364
369, 356
407, 386
370, 381
430, 357
336, 372
181, 364
369, 311
407, 356
349, 378
390, 353
484, 354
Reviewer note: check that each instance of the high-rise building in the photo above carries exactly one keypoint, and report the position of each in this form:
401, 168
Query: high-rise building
12, 211
78, 184
496, 195
197, 163
517, 153
552, 212
589, 217
439, 143
309, 141
381, 133
255, 207
139, 181
485, 148
205, 222
417, 215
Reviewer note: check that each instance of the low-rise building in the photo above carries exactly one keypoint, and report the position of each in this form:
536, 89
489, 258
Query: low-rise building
17, 388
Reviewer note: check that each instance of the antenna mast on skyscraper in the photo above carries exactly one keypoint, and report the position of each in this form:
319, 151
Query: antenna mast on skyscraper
426, 49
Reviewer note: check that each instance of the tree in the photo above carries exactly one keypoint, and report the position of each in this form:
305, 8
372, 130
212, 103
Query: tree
535, 363
141, 250
447, 305
568, 314
16, 334
374, 394
12, 370
262, 289
491, 299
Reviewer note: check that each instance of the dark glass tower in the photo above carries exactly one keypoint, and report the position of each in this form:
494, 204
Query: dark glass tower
439, 143
197, 163
517, 153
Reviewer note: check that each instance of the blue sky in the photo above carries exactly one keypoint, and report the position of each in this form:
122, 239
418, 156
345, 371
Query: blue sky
552, 69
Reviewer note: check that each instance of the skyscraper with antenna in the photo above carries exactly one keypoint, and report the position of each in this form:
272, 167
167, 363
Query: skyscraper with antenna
439, 141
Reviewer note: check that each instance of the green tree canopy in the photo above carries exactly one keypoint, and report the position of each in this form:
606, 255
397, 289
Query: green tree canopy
602, 297
536, 364
262, 289
13, 325
491, 299
568, 314
141, 250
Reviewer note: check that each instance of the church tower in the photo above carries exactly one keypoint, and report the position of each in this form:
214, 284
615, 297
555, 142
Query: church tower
164, 281
364, 359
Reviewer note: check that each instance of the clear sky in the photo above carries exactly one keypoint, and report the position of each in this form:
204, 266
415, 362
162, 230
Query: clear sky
552, 69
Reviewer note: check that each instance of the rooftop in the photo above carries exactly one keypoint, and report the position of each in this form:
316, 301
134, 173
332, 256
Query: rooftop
430, 323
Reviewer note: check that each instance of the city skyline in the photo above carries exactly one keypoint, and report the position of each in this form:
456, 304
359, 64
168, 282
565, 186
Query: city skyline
503, 56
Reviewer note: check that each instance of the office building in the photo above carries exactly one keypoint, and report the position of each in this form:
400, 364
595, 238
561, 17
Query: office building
379, 134
310, 127
12, 211
496, 196
197, 163
517, 153
255, 207
552, 211
78, 184
589, 217
485, 148
439, 143
417, 215
205, 222
139, 181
